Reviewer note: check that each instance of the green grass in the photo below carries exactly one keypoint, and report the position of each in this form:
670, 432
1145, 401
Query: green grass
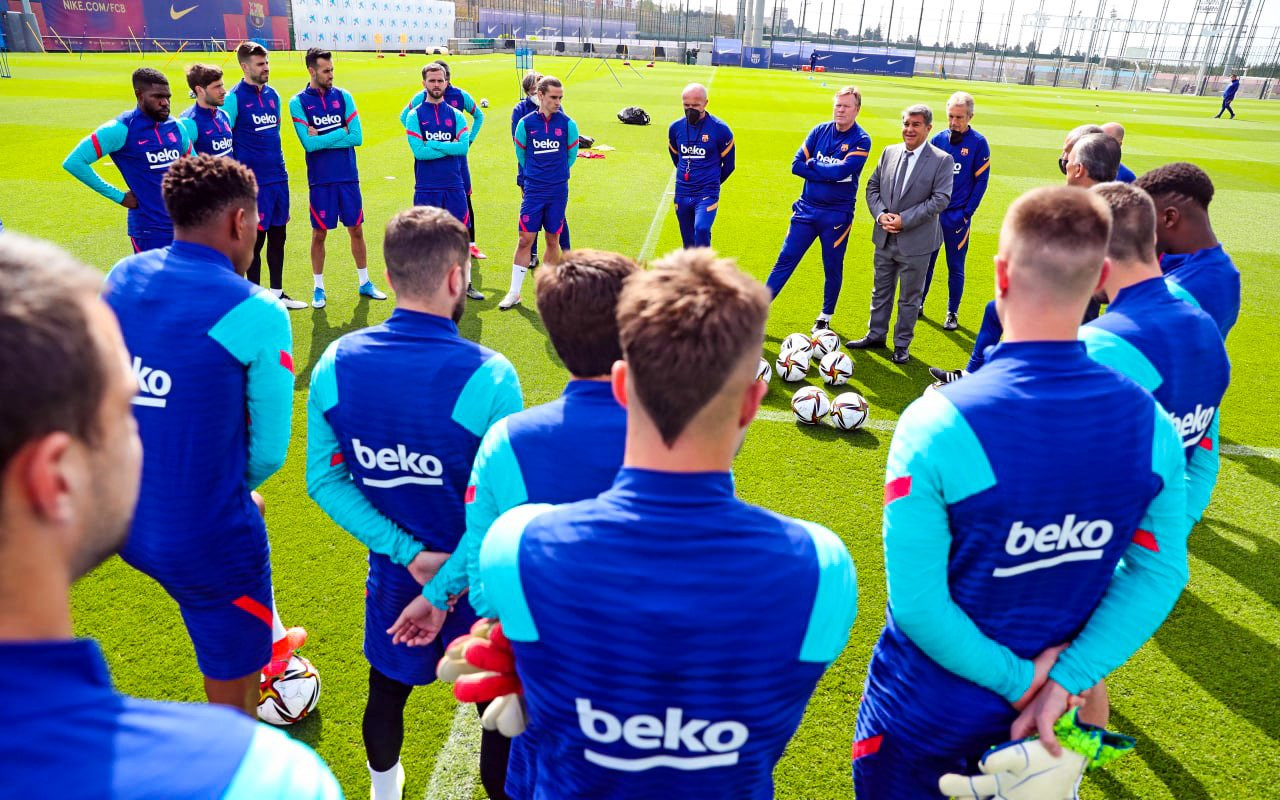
1202, 697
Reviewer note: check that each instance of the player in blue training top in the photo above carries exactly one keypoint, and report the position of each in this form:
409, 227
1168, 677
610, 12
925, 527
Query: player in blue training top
668, 635
546, 143
212, 354
1191, 256
70, 464
972, 156
208, 126
566, 450
1008, 534
394, 419
438, 137
256, 113
328, 125
1228, 95
525, 106
830, 161
142, 142
702, 152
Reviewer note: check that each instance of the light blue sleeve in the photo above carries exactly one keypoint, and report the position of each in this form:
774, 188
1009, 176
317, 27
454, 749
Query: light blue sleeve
477, 113
422, 149
1202, 472
414, 102
257, 334
459, 146
500, 571
189, 128
231, 106
496, 485
355, 129
491, 393
522, 141
1113, 351
329, 482
835, 605
573, 137
1147, 581
311, 143
1179, 291
936, 460
108, 138
278, 767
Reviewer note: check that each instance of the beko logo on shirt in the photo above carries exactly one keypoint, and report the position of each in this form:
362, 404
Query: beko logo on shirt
715, 744
163, 158
549, 145
418, 468
955, 168
221, 144
1082, 540
693, 151
438, 136
327, 119
823, 158
1193, 425
154, 385
264, 121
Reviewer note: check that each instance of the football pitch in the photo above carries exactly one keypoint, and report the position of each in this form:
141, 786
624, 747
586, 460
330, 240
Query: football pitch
1203, 697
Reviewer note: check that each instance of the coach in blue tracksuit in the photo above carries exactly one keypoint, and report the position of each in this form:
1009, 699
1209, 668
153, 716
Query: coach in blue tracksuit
668, 635
1229, 94
212, 357
701, 149
70, 465
1191, 257
567, 450
394, 419
830, 161
972, 156
1004, 530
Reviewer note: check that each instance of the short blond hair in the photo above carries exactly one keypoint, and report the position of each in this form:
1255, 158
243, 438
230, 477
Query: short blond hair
850, 90
1058, 234
685, 325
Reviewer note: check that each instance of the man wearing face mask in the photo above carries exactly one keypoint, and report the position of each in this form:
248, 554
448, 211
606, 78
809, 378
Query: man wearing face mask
701, 149
394, 420
972, 156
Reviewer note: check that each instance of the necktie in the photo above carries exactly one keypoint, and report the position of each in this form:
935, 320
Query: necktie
902, 177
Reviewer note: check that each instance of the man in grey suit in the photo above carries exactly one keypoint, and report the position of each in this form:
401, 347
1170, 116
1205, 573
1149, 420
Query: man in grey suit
908, 190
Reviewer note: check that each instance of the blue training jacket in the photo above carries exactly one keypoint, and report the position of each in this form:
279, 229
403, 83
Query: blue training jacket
703, 155
256, 113
830, 163
1210, 277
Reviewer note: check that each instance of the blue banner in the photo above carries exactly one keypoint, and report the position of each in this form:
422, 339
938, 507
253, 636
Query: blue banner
755, 57
871, 63
726, 52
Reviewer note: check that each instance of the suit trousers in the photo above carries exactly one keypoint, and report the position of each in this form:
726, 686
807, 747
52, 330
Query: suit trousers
906, 275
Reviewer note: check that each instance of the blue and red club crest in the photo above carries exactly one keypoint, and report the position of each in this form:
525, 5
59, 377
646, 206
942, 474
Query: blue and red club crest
172, 137
334, 104
559, 132
964, 151
844, 147
524, 217
271, 103
706, 137
448, 123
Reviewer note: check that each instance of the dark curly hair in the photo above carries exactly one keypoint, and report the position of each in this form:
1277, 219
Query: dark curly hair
1181, 178
195, 189
148, 76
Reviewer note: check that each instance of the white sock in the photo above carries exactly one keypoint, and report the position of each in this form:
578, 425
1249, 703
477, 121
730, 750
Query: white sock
517, 277
277, 627
363, 276
319, 279
386, 783
824, 317
473, 244
277, 292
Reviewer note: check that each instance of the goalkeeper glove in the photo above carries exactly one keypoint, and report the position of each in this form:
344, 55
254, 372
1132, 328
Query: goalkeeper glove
1025, 770
482, 668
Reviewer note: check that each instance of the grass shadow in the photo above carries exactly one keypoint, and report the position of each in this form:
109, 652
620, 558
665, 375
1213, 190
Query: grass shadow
1239, 562
1180, 782
322, 334
1256, 465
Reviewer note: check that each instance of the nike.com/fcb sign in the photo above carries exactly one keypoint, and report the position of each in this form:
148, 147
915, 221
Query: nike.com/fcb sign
144, 20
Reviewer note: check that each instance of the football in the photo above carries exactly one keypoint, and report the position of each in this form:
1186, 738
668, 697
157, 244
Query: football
484, 102
291, 695
798, 343
792, 366
810, 404
824, 342
849, 411
764, 372
836, 368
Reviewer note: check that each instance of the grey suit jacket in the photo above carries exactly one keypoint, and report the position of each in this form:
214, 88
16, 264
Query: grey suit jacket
925, 196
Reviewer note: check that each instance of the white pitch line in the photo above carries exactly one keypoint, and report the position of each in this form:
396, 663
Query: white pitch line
664, 207
458, 763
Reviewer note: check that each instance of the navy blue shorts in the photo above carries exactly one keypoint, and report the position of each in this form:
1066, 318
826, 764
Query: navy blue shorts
273, 205
332, 203
388, 590
232, 638
452, 200
543, 213
143, 243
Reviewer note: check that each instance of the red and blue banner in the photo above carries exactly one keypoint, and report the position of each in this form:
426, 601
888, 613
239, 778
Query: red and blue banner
163, 24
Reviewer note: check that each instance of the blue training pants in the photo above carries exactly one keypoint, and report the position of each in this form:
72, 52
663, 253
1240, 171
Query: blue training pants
831, 228
955, 240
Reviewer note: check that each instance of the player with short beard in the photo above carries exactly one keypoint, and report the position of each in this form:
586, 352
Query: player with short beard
208, 126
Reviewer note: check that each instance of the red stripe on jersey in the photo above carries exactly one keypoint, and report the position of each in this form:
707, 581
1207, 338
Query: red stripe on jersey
1206, 443
470, 496
898, 487
247, 604
97, 148
336, 459
414, 135
286, 360
1146, 539
353, 116
303, 121
867, 747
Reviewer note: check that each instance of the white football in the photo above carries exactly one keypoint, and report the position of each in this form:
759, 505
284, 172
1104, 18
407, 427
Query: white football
824, 342
291, 695
798, 343
764, 372
849, 411
484, 102
810, 405
836, 368
792, 366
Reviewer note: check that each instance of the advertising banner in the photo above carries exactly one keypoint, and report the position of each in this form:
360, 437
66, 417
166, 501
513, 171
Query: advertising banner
755, 57
726, 52
156, 24
873, 63
356, 24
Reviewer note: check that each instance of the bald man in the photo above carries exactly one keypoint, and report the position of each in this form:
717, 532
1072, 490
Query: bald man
1116, 131
702, 152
